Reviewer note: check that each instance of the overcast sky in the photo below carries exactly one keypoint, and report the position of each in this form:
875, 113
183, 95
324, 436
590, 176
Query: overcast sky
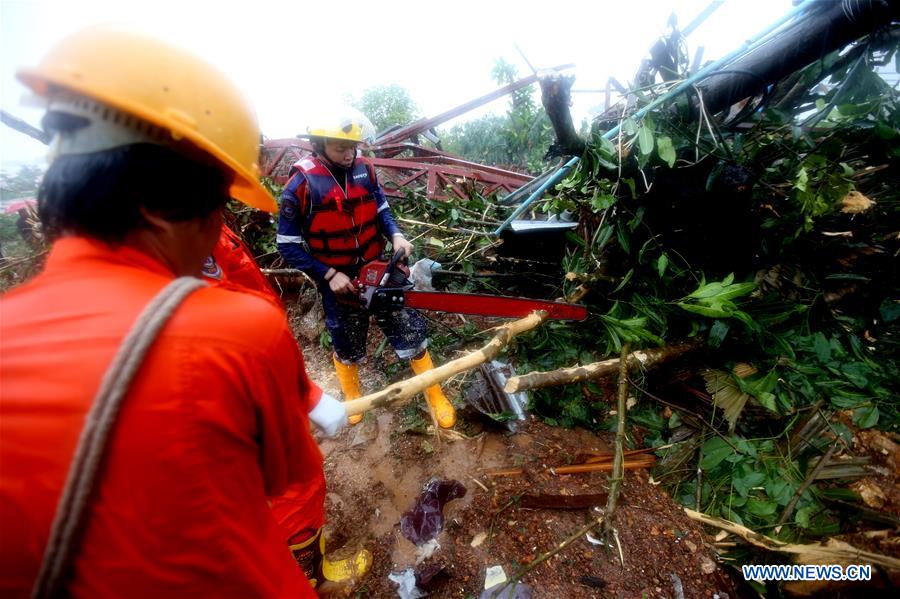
291, 57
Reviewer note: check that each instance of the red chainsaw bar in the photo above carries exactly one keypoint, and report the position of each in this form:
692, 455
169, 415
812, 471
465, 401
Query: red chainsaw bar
491, 305
383, 285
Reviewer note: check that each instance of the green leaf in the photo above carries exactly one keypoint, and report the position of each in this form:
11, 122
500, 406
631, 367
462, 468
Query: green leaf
890, 309
779, 490
645, 140
704, 310
865, 417
717, 333
802, 179
629, 126
714, 452
661, 263
743, 484
601, 202
666, 150
822, 348
802, 516
760, 507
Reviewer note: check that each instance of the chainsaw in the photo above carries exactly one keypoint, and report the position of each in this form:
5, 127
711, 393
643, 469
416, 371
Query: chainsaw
384, 285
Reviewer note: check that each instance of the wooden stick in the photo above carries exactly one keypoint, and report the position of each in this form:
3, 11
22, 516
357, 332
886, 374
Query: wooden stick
789, 509
410, 387
601, 467
834, 550
574, 374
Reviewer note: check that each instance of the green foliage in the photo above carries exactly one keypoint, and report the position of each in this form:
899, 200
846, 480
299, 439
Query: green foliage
387, 106
774, 243
519, 138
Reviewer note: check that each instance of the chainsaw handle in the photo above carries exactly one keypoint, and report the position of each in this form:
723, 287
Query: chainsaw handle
392, 264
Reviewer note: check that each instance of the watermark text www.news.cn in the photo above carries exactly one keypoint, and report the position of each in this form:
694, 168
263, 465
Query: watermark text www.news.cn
832, 572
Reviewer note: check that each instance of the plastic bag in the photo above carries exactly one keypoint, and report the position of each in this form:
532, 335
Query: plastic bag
426, 519
421, 272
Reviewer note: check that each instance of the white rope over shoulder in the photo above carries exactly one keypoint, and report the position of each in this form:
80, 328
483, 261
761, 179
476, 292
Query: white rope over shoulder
83, 472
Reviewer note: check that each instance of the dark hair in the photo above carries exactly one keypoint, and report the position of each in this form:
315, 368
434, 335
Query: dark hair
100, 194
318, 144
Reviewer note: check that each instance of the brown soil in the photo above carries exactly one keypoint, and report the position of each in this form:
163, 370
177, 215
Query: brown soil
375, 472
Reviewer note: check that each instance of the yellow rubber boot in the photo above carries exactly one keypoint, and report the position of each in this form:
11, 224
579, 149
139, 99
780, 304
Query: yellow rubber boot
344, 565
440, 406
348, 377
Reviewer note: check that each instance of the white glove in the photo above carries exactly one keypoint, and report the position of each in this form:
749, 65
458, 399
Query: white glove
329, 415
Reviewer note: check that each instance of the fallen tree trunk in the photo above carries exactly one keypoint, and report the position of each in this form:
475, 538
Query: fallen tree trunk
575, 374
556, 96
833, 551
828, 26
410, 387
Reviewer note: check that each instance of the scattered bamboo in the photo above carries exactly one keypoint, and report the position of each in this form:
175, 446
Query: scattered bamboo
832, 551
461, 230
411, 387
574, 374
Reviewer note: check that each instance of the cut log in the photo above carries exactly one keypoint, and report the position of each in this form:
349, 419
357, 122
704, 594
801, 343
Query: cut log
575, 374
411, 387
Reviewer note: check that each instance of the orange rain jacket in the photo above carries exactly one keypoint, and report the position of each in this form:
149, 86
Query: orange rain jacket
300, 510
214, 424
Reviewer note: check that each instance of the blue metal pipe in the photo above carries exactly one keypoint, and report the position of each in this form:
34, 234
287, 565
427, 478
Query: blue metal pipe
747, 46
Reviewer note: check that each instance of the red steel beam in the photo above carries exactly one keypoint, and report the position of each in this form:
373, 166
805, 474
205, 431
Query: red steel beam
425, 124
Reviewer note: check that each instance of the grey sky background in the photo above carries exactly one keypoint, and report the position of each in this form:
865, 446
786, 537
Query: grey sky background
293, 57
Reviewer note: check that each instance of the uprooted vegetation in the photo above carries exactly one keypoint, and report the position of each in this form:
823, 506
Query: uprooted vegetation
760, 245
765, 240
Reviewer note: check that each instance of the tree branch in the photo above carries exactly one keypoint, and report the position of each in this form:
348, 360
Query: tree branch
556, 97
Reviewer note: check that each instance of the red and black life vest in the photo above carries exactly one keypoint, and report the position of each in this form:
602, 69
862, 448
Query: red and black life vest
341, 228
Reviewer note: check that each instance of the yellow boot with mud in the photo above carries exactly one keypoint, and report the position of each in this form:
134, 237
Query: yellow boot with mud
440, 406
343, 565
348, 377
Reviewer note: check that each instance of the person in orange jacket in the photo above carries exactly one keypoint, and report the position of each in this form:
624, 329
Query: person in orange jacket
300, 509
215, 422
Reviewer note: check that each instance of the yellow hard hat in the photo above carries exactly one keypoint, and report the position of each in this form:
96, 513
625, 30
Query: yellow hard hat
162, 85
343, 123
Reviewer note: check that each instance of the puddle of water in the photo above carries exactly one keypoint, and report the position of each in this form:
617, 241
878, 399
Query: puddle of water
365, 467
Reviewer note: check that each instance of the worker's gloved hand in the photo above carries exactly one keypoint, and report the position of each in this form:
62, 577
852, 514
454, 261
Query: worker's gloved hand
400, 243
329, 415
341, 283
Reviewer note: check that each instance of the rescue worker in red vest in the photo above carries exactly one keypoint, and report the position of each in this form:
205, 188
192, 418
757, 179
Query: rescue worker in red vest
334, 218
216, 421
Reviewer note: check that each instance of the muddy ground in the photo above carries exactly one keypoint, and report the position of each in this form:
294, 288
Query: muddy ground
376, 470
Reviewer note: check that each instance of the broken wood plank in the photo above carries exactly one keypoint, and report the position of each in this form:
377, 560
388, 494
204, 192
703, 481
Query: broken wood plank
562, 502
